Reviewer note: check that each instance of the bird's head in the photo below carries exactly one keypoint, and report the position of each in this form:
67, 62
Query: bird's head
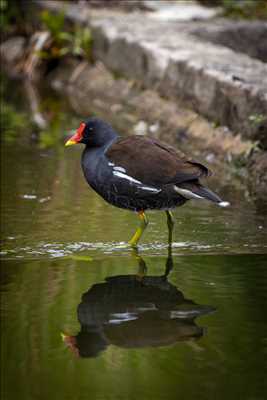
94, 133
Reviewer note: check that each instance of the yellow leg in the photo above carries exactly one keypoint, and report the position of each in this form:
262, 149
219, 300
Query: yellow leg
136, 237
170, 223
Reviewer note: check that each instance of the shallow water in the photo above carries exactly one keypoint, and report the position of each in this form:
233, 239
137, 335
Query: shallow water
190, 325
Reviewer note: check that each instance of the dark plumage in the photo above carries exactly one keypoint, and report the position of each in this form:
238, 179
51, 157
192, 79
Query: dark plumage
139, 173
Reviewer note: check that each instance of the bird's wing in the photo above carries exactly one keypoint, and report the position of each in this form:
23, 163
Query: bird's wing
153, 162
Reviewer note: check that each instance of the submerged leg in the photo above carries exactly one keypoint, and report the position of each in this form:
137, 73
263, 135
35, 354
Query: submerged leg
136, 237
141, 263
170, 223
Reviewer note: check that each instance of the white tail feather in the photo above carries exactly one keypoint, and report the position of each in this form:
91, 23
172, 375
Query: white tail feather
224, 204
187, 193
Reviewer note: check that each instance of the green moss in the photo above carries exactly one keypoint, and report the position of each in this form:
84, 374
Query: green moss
248, 9
75, 41
240, 9
15, 17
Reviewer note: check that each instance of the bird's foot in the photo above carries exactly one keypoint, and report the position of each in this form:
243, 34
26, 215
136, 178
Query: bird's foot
122, 246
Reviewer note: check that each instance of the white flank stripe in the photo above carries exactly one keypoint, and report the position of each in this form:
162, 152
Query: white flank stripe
187, 193
150, 189
224, 204
111, 164
131, 179
124, 176
120, 169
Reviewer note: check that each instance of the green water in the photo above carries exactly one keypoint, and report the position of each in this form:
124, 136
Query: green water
188, 325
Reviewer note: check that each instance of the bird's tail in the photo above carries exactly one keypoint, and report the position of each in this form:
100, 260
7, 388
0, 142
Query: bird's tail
194, 190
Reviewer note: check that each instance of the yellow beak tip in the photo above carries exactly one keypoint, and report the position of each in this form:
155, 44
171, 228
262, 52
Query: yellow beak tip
70, 142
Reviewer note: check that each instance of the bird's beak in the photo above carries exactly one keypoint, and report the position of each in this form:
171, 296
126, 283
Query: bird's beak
70, 142
74, 139
77, 137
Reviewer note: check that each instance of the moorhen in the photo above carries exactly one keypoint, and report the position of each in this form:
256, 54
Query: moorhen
139, 173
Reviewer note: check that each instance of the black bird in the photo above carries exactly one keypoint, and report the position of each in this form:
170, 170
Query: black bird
139, 173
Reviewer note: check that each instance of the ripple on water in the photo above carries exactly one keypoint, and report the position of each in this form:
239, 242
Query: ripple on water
58, 250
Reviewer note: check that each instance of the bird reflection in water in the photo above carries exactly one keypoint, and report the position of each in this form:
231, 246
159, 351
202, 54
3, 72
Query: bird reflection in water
135, 311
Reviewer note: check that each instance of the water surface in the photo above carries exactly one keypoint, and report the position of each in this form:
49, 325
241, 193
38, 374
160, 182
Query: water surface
84, 318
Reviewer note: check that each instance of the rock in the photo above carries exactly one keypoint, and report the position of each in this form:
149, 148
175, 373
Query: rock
249, 37
142, 111
140, 128
225, 86
12, 50
154, 128
257, 168
180, 11
210, 157
259, 129
216, 81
